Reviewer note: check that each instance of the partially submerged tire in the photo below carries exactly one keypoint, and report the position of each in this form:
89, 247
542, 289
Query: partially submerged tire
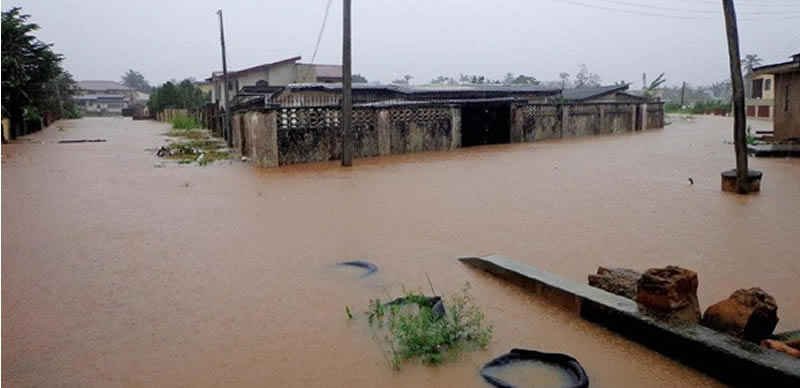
570, 366
368, 267
435, 303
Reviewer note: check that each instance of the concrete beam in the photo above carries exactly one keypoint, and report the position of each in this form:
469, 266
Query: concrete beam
727, 358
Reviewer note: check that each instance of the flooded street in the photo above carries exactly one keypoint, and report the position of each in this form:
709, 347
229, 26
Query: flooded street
119, 273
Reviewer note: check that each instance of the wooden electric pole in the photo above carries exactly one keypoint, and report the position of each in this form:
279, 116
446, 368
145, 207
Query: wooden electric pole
347, 92
739, 120
226, 119
683, 92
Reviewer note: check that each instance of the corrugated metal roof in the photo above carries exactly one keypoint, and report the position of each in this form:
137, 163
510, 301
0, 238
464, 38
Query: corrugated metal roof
100, 97
431, 89
579, 94
101, 85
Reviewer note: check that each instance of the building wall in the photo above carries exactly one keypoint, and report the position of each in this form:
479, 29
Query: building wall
282, 74
787, 113
312, 134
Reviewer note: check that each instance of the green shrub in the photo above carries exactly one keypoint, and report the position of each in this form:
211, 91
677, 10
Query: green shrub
185, 122
425, 335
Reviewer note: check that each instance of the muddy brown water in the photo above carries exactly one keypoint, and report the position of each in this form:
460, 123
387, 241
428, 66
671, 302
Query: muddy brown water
118, 273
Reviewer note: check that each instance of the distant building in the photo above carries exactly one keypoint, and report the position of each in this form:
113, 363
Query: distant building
104, 98
786, 96
270, 76
610, 93
760, 102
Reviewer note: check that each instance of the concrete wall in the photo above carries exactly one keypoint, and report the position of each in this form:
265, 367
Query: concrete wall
273, 137
535, 122
787, 116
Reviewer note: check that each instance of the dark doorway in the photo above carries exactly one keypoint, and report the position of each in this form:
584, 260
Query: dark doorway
485, 124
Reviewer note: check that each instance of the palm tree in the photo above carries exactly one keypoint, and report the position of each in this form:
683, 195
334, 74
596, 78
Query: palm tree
749, 62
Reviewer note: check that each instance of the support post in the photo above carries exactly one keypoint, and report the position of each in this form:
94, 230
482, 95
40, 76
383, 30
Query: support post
683, 92
227, 118
347, 92
739, 119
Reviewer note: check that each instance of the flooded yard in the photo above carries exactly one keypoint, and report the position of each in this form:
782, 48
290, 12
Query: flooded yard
119, 273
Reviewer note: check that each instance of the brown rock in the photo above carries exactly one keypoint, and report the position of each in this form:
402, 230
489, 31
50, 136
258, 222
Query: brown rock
671, 290
750, 314
781, 347
620, 281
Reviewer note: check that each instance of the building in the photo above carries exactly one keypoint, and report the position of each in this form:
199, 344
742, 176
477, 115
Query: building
270, 77
104, 98
611, 93
760, 102
786, 93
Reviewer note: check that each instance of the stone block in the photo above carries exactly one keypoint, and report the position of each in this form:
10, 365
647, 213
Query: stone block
750, 314
672, 291
619, 281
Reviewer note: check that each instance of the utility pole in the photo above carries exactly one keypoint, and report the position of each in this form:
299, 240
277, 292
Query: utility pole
683, 92
227, 119
739, 123
347, 92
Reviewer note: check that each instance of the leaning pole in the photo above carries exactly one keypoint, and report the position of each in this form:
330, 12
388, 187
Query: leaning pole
742, 180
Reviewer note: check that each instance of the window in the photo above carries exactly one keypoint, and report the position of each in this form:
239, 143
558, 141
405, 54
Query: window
786, 98
758, 84
767, 84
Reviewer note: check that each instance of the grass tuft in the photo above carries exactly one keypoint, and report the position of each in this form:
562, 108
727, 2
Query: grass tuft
414, 331
185, 122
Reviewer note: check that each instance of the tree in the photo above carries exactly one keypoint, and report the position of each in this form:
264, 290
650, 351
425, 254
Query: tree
28, 64
177, 95
649, 90
443, 80
58, 92
359, 79
523, 79
564, 80
403, 81
135, 80
585, 79
749, 62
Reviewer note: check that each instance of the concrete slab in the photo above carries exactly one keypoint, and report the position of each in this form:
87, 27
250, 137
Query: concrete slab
725, 357
775, 150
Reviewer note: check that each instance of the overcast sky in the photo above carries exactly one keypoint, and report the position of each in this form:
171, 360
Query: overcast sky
617, 39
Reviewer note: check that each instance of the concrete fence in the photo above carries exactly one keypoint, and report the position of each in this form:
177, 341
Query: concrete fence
281, 136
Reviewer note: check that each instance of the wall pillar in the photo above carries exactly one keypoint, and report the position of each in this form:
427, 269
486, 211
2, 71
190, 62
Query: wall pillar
384, 129
517, 133
455, 127
263, 141
602, 126
643, 117
633, 117
564, 116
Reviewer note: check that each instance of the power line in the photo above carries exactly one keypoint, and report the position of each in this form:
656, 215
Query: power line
319, 37
663, 15
689, 10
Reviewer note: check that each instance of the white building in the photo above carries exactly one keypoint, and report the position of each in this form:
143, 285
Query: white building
271, 75
104, 98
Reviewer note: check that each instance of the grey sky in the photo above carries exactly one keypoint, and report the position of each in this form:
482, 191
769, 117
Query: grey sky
176, 39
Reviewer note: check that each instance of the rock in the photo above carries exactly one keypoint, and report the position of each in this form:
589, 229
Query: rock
620, 281
750, 314
671, 290
781, 347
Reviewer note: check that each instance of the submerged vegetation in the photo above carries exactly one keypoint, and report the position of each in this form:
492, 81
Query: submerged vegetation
185, 122
194, 144
412, 327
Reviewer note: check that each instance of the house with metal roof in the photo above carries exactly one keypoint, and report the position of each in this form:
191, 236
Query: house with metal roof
786, 101
610, 93
270, 77
104, 98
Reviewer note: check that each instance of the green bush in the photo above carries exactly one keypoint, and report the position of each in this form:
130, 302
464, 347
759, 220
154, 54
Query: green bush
185, 122
425, 335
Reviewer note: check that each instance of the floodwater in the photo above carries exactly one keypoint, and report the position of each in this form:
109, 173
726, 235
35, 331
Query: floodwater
119, 273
